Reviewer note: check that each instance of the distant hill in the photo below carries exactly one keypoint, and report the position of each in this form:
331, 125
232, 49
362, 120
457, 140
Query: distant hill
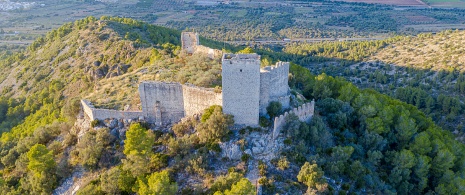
428, 69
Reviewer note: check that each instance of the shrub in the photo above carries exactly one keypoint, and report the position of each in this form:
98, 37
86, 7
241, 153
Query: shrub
245, 157
261, 168
274, 108
209, 111
283, 163
94, 123
264, 122
215, 127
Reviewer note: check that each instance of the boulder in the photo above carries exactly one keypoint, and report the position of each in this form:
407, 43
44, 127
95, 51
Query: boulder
231, 151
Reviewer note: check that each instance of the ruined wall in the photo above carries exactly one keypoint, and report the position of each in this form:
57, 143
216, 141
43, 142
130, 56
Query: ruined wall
274, 85
211, 53
241, 87
87, 108
304, 112
164, 103
101, 114
197, 99
189, 41
169, 97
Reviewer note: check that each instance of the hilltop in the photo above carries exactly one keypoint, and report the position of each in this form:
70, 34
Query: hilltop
358, 141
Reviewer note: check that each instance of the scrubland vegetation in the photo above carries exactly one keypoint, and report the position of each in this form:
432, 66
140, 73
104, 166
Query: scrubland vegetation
359, 141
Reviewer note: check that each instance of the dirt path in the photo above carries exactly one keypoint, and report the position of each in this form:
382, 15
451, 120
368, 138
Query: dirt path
71, 184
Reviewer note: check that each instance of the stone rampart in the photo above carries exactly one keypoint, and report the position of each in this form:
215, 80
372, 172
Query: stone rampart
101, 114
304, 112
162, 102
197, 99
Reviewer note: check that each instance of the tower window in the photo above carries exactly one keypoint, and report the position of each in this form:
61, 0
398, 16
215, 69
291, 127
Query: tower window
241, 70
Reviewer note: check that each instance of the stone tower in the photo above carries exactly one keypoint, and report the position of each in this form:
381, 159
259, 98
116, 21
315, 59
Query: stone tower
189, 41
241, 87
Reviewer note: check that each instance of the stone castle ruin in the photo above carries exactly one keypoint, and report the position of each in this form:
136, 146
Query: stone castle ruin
190, 42
247, 90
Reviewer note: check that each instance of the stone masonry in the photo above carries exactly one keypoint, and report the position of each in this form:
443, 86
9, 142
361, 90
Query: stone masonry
191, 45
189, 42
241, 87
247, 90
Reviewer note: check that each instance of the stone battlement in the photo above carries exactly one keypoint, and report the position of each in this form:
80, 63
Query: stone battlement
278, 66
305, 113
235, 57
274, 85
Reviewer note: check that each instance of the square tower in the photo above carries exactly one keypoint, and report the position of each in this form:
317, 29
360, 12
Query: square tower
241, 87
189, 42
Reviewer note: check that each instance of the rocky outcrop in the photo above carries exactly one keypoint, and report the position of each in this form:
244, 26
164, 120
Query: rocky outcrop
230, 150
99, 71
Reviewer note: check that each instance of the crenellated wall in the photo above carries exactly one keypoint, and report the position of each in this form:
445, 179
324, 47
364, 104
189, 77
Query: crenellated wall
197, 99
304, 112
274, 85
101, 114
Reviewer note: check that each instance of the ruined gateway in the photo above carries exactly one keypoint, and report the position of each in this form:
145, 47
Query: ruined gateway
247, 90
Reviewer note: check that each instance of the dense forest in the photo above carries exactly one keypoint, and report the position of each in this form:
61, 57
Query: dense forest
359, 141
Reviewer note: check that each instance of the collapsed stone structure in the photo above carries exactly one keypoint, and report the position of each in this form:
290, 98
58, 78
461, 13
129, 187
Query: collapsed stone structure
247, 90
190, 42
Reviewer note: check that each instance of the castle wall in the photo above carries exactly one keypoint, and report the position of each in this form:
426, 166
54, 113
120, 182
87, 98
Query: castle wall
274, 85
87, 108
304, 112
241, 87
197, 99
168, 97
101, 114
264, 91
212, 53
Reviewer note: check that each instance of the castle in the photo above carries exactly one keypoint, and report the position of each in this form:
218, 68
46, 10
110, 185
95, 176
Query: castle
247, 90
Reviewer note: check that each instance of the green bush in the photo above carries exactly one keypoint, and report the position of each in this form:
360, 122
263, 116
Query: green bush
274, 109
94, 123
245, 157
264, 122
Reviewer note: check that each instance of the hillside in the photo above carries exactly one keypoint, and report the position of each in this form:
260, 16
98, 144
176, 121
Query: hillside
442, 51
428, 70
359, 141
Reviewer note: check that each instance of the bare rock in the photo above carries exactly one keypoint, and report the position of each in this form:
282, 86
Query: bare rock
231, 150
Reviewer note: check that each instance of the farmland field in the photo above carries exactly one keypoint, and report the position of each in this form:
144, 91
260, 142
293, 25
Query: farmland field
418, 3
392, 2
446, 3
